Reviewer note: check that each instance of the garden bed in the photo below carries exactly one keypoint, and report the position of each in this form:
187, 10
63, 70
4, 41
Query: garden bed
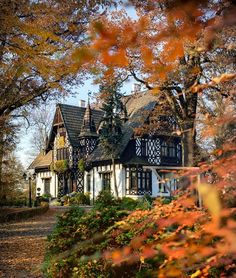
13, 214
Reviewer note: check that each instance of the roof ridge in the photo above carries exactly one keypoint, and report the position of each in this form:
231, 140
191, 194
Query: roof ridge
75, 106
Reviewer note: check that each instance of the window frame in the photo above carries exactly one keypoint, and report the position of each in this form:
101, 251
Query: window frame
106, 181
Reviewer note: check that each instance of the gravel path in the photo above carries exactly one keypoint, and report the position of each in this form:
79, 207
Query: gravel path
22, 245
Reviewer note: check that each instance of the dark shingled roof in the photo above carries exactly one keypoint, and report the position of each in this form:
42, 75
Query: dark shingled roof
73, 119
138, 108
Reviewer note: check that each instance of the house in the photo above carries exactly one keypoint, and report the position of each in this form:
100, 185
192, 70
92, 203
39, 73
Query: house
73, 159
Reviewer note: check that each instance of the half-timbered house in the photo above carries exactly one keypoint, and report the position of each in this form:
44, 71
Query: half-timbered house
73, 159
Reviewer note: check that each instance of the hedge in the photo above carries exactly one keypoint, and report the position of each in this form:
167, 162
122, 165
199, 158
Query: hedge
23, 214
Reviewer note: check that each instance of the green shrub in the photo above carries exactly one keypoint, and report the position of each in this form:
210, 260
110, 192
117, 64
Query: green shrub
80, 199
145, 203
81, 165
44, 198
105, 199
128, 203
82, 234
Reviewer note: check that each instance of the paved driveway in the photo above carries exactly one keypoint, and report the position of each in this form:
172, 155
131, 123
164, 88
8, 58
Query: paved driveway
22, 245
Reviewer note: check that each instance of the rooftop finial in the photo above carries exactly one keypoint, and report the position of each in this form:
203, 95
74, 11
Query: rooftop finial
89, 95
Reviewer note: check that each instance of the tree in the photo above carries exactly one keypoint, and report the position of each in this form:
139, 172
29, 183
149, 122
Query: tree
161, 50
36, 40
183, 50
111, 131
40, 120
12, 178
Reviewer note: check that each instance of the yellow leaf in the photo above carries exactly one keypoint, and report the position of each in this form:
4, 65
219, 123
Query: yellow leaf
142, 259
196, 274
155, 91
211, 200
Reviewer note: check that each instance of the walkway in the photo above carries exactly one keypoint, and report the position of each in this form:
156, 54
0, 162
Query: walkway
22, 245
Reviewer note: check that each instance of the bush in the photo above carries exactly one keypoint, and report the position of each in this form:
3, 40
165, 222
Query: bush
128, 203
16, 202
79, 238
105, 199
145, 203
79, 198
60, 166
45, 198
82, 234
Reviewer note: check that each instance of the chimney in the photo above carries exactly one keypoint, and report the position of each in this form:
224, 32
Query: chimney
82, 103
136, 88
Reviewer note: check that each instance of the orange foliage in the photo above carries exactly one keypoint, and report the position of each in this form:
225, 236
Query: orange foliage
192, 240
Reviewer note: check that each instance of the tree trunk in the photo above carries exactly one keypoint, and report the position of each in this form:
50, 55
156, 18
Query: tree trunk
188, 144
1, 160
114, 177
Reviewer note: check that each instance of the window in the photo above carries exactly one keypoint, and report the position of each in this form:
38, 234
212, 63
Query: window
133, 179
168, 183
172, 150
168, 149
164, 149
106, 181
62, 154
46, 186
179, 154
138, 181
88, 182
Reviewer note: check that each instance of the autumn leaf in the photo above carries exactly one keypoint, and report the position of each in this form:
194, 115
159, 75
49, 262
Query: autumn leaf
225, 77
196, 274
210, 198
147, 55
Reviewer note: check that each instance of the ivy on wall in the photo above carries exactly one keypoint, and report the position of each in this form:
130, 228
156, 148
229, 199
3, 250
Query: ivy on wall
60, 166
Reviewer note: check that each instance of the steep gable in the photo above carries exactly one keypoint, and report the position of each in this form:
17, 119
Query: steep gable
72, 117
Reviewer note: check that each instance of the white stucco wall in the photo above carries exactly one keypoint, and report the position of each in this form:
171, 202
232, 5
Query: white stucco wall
96, 178
40, 179
96, 175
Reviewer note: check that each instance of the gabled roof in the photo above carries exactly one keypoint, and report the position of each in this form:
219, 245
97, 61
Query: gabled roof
138, 108
73, 120
41, 161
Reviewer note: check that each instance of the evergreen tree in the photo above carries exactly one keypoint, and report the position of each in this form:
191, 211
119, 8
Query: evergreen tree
111, 131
